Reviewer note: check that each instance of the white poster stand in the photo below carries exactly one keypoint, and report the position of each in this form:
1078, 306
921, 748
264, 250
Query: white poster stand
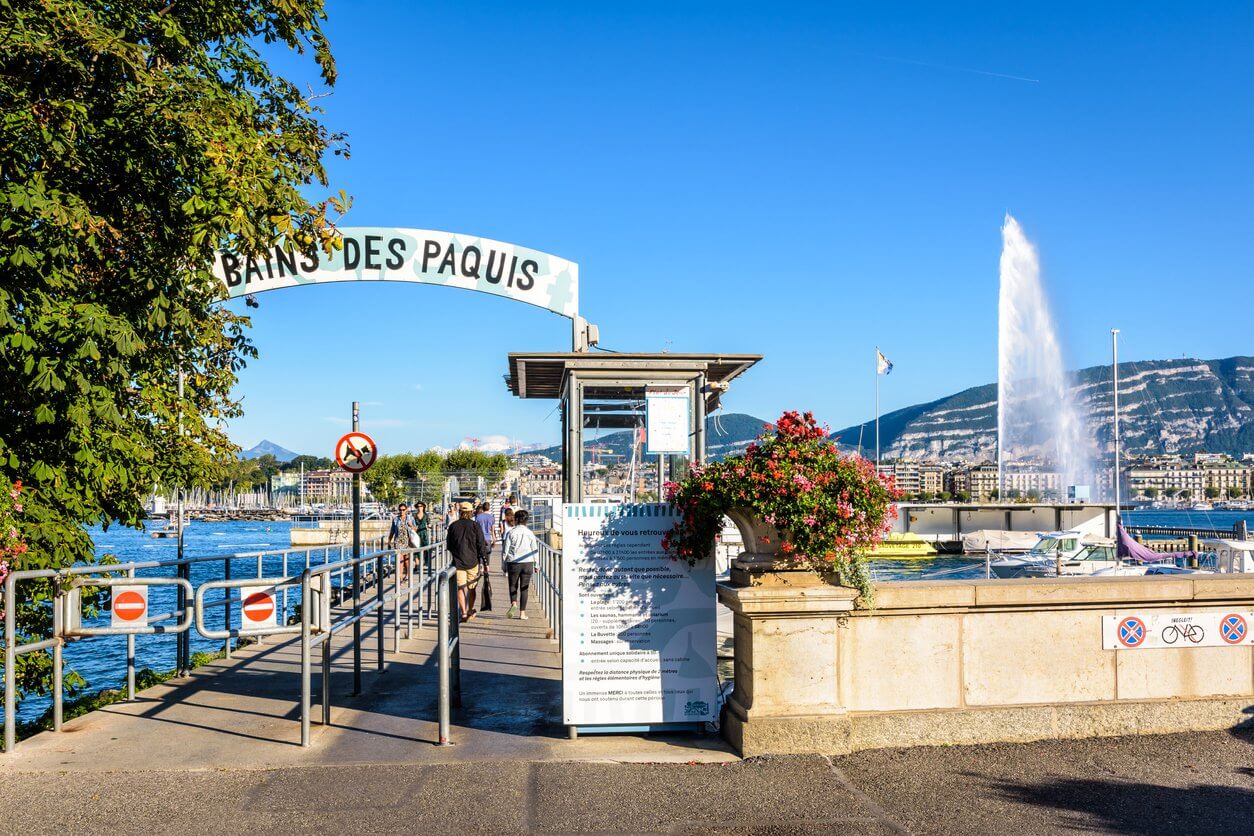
638, 627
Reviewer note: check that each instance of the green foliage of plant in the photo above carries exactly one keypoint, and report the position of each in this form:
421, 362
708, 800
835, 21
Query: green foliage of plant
827, 509
136, 138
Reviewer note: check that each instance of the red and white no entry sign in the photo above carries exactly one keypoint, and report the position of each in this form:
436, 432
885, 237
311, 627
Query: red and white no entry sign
257, 606
355, 452
130, 605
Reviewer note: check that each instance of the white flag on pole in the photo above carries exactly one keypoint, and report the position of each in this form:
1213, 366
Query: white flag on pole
882, 364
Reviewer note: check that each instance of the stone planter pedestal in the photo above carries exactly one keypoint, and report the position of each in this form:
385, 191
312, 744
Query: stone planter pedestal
786, 698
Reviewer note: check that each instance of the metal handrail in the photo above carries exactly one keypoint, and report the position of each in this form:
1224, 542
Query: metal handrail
313, 635
434, 583
549, 574
113, 574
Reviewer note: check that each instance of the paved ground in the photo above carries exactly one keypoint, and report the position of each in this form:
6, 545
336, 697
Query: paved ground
218, 752
1177, 784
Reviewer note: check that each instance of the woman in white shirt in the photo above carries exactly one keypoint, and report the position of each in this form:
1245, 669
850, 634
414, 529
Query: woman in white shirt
519, 551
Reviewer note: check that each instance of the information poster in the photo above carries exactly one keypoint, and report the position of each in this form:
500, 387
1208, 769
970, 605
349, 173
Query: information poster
637, 627
667, 422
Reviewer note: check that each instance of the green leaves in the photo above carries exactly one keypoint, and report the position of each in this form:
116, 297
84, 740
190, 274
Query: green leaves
136, 138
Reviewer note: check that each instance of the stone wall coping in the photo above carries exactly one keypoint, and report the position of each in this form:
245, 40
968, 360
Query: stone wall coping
1044, 593
784, 600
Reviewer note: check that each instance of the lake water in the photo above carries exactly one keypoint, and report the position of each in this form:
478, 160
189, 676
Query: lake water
102, 660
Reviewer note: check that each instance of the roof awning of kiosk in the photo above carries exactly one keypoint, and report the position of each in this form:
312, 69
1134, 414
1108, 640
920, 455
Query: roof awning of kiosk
542, 375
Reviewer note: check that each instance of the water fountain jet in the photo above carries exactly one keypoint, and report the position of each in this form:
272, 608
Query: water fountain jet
1036, 415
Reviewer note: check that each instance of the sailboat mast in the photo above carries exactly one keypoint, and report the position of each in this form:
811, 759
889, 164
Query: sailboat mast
1114, 349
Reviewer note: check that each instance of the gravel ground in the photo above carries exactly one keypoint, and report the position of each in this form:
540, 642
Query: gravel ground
1179, 784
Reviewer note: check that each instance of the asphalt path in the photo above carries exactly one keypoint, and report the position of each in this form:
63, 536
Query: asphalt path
1179, 784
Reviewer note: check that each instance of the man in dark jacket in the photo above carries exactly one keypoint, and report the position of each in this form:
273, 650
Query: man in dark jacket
468, 548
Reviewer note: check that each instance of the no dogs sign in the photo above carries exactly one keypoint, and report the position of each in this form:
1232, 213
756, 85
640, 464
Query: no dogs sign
355, 452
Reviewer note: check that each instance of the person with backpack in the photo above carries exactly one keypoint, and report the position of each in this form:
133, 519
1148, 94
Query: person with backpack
519, 552
468, 549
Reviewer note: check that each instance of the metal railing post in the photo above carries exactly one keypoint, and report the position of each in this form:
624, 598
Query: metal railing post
326, 680
10, 663
58, 658
442, 638
456, 649
306, 666
226, 607
382, 610
130, 655
284, 573
422, 589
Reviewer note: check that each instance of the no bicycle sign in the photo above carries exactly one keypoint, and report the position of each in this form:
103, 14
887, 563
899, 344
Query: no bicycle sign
1159, 629
355, 452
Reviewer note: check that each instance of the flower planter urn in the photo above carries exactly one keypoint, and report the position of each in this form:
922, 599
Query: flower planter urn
761, 564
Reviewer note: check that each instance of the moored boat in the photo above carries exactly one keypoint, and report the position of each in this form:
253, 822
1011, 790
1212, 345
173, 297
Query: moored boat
903, 546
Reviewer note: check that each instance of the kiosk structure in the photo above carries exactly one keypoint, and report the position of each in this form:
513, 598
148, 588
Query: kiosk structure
637, 628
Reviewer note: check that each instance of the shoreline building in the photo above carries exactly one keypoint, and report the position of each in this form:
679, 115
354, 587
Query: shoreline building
1202, 475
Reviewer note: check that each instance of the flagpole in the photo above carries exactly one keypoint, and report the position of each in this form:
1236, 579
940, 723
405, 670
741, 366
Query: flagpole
877, 410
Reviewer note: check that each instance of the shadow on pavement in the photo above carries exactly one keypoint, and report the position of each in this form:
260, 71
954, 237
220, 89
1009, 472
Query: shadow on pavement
1141, 808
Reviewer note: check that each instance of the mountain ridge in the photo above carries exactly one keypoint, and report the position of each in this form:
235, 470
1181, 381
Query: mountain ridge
1166, 406
267, 447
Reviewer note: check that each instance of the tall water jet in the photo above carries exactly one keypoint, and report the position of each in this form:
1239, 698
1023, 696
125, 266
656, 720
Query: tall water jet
1037, 422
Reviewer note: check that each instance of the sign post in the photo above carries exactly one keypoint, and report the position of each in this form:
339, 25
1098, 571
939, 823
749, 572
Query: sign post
638, 628
355, 452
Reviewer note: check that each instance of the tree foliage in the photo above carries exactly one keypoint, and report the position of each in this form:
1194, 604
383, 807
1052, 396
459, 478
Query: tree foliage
421, 476
136, 138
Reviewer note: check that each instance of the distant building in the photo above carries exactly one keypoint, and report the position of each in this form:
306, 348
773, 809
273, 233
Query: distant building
328, 486
1202, 475
977, 481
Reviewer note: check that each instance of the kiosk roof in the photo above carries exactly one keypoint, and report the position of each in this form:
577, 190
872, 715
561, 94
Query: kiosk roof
541, 375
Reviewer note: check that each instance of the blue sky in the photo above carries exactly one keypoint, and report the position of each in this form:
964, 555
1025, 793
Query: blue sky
803, 182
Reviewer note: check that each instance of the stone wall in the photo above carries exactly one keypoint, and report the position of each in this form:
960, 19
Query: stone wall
950, 662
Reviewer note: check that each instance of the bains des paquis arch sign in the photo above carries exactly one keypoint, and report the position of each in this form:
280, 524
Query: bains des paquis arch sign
421, 256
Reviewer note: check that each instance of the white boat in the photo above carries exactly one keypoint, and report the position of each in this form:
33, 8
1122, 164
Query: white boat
1042, 559
1228, 556
170, 529
997, 541
1202, 506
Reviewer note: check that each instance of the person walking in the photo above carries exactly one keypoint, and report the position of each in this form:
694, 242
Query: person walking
519, 551
487, 522
403, 535
507, 516
422, 523
468, 550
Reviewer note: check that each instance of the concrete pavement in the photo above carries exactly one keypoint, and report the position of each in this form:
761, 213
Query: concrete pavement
1199, 783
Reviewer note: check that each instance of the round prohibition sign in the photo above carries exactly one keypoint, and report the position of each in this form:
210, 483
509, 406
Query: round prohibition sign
258, 607
355, 452
129, 605
1232, 628
1131, 631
